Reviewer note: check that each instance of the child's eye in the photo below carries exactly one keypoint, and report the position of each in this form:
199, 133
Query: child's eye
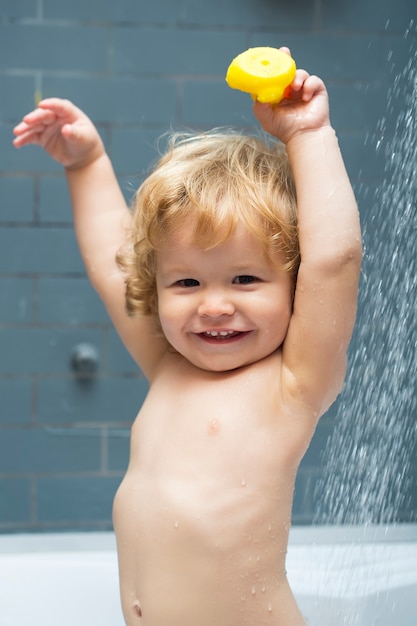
245, 279
187, 282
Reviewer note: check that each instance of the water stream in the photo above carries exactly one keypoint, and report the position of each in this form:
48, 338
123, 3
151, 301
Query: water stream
370, 457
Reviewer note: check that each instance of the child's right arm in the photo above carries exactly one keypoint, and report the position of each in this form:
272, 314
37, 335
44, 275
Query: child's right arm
101, 217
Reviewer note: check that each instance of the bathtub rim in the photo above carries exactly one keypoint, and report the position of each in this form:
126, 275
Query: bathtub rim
347, 534
99, 541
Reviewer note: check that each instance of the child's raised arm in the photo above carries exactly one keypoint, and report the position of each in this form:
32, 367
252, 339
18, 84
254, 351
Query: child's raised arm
101, 217
314, 351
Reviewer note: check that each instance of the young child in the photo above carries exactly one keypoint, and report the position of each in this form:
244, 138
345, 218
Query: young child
240, 280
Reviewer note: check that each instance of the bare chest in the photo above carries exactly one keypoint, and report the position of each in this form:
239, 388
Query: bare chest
231, 426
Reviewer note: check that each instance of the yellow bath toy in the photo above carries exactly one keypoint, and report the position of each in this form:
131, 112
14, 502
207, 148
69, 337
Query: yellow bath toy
263, 72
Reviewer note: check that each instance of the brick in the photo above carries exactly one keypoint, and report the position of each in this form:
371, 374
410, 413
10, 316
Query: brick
339, 56
120, 361
128, 11
365, 193
17, 199
209, 104
17, 96
362, 161
46, 251
16, 300
26, 160
172, 51
69, 301
53, 47
14, 500
118, 449
104, 401
49, 450
369, 16
23, 8
15, 401
118, 100
42, 350
357, 106
249, 14
76, 499
133, 150
55, 203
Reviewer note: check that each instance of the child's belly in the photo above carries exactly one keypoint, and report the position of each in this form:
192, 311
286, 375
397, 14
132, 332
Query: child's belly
202, 515
194, 557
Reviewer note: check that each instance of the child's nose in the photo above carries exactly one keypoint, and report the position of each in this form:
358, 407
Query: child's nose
215, 304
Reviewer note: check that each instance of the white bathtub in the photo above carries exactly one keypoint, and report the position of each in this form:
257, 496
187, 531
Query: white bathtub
340, 576
355, 576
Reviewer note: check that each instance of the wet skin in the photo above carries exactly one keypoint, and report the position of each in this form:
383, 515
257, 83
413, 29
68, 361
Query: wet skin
202, 516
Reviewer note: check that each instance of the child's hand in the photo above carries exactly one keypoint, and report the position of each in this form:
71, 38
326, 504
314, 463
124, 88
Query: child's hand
304, 108
63, 130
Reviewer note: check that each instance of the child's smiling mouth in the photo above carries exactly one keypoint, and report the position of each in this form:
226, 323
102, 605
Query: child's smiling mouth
222, 336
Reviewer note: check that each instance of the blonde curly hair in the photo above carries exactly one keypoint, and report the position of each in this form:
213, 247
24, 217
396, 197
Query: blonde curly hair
212, 181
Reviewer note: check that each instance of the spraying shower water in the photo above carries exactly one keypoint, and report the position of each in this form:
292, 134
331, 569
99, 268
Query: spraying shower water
368, 459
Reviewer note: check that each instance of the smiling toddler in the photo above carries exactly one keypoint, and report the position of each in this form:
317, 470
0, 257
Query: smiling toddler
233, 283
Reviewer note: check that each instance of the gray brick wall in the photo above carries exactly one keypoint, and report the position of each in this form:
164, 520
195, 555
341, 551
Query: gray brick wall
136, 68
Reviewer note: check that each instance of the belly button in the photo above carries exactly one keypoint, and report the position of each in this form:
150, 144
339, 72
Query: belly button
137, 608
214, 426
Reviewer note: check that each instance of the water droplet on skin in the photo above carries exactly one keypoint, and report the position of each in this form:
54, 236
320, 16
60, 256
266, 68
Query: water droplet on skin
253, 590
176, 524
269, 608
243, 482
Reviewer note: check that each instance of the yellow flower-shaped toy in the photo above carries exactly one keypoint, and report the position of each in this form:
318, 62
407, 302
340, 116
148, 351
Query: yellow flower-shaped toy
263, 72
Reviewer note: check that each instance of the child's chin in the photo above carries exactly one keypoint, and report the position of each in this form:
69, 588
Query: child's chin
220, 365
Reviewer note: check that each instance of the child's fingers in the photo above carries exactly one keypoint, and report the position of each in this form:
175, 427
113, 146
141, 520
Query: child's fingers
58, 104
312, 85
49, 112
304, 86
19, 129
27, 137
35, 118
300, 78
23, 128
72, 133
61, 108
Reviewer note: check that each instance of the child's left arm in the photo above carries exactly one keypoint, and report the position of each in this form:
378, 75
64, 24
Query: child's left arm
314, 351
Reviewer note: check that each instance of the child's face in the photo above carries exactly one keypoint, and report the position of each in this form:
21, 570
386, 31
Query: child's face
225, 307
